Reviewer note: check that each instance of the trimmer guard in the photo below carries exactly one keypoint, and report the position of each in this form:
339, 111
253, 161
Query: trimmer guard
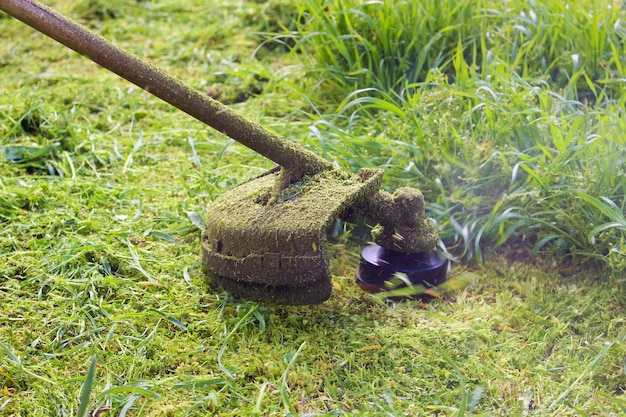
276, 251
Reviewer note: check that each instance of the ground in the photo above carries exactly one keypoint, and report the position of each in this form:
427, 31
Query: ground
105, 308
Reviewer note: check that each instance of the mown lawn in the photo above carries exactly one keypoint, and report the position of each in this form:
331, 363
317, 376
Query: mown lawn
512, 125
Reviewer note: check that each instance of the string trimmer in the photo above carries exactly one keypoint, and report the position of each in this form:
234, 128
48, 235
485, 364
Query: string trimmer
266, 238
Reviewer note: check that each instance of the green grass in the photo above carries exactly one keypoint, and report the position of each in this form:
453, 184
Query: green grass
511, 122
103, 305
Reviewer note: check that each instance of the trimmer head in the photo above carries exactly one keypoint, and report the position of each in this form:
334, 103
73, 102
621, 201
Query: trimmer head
271, 248
276, 251
379, 266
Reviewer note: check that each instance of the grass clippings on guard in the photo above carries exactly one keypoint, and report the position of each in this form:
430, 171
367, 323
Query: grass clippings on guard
510, 123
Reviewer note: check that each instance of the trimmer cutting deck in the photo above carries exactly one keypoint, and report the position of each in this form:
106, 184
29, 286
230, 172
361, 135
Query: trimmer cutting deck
266, 238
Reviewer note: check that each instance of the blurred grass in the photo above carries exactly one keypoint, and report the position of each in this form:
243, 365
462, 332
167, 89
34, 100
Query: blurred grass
508, 115
103, 308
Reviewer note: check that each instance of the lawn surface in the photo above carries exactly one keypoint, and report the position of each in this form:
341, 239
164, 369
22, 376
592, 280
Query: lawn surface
104, 308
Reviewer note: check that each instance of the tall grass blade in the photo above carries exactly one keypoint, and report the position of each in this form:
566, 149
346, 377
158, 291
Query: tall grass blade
87, 387
606, 207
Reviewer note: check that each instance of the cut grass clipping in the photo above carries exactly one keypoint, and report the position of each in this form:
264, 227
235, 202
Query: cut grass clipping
508, 116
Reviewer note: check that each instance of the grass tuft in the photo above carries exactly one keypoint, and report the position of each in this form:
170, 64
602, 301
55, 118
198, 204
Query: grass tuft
505, 148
